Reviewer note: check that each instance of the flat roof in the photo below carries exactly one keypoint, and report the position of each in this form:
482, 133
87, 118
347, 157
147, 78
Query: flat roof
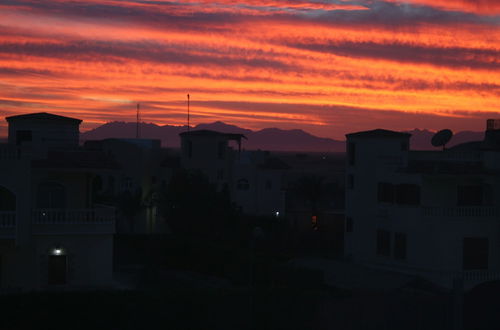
379, 133
206, 132
43, 116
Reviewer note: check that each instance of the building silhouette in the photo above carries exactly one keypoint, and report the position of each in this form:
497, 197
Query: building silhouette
433, 214
52, 233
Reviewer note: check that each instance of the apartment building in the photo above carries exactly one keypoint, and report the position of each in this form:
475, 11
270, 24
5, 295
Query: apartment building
433, 214
52, 233
253, 179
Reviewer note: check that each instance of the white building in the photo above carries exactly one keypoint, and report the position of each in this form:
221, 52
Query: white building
434, 214
253, 179
51, 232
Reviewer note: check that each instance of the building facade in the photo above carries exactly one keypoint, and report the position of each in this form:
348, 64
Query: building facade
52, 233
433, 214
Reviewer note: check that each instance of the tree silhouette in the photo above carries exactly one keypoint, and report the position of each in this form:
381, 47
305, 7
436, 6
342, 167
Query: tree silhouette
129, 204
193, 206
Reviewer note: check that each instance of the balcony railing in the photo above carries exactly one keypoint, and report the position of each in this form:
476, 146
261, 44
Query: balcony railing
73, 216
7, 219
469, 211
446, 155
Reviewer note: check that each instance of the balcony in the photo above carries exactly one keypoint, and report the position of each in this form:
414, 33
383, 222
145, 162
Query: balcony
7, 224
73, 221
467, 211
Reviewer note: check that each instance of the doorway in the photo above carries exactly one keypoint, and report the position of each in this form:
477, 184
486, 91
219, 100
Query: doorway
58, 269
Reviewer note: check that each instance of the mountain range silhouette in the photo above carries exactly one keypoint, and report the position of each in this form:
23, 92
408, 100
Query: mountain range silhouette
274, 139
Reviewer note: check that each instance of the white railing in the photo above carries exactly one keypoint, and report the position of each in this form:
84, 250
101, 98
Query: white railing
7, 219
466, 211
73, 216
446, 155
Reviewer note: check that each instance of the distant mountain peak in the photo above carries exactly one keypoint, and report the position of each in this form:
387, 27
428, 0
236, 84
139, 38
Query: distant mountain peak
272, 138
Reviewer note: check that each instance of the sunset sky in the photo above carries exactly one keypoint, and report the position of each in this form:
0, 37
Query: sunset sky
328, 67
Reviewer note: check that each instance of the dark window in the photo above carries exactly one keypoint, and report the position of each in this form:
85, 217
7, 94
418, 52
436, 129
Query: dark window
470, 195
57, 270
269, 184
220, 174
51, 195
350, 181
404, 146
348, 225
7, 200
383, 242
23, 136
400, 246
221, 150
475, 253
351, 153
408, 194
242, 184
385, 192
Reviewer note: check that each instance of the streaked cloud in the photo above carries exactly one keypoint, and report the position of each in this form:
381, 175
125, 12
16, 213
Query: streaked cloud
328, 66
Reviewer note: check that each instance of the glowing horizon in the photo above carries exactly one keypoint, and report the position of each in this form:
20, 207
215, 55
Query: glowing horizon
328, 67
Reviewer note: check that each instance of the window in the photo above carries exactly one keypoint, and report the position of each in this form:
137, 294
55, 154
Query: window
269, 184
404, 146
351, 153
348, 225
383, 242
220, 174
242, 184
221, 150
408, 194
471, 195
350, 181
23, 136
57, 270
51, 195
385, 192
314, 222
7, 200
475, 253
400, 246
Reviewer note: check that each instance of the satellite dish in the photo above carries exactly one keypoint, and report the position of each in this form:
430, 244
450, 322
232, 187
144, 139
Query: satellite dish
441, 138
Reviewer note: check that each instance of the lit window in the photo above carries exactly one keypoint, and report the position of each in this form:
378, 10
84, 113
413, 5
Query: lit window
314, 222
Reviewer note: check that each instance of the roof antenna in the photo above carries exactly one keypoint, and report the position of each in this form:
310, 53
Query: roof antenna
137, 132
188, 112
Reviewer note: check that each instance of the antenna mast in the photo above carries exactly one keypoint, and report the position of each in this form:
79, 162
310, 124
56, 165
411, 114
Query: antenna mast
137, 132
188, 111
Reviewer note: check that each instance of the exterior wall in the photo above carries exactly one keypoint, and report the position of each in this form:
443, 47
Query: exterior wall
435, 228
89, 258
46, 133
204, 156
374, 159
25, 243
76, 185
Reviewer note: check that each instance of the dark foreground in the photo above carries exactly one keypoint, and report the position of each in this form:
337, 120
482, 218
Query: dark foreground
270, 308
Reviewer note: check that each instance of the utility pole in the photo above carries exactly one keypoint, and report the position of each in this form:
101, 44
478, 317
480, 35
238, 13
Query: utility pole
137, 133
188, 112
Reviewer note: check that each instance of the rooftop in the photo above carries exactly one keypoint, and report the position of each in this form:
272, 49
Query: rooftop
43, 116
206, 132
379, 133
